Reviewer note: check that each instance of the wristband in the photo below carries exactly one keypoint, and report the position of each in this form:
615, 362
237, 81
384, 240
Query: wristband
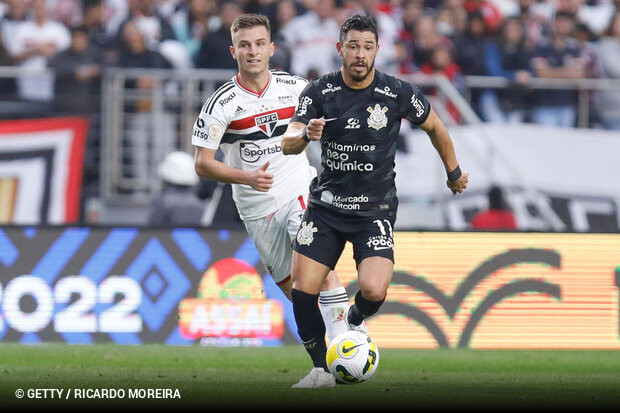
304, 134
455, 174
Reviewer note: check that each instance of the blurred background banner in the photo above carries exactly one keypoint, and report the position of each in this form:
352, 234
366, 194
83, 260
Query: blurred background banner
553, 178
183, 286
41, 163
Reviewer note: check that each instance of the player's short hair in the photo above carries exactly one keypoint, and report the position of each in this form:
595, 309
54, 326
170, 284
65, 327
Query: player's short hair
361, 24
248, 21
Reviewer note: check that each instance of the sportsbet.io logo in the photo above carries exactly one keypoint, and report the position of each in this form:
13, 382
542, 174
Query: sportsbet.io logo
251, 152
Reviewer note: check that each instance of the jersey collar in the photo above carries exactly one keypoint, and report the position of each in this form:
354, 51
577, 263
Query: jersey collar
237, 81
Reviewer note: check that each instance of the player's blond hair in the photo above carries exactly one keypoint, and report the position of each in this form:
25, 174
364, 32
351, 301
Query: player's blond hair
248, 21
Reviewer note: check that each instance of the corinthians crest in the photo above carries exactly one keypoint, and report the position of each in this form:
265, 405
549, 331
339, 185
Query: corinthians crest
305, 235
377, 118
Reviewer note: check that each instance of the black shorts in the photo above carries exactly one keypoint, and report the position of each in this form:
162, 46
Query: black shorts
323, 234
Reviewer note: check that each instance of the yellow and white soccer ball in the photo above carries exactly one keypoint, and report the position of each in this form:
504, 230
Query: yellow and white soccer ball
352, 357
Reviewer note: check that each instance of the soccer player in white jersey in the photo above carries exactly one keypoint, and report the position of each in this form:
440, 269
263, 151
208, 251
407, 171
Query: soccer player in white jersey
246, 117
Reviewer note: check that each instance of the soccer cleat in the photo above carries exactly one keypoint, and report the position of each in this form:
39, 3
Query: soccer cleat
361, 328
317, 378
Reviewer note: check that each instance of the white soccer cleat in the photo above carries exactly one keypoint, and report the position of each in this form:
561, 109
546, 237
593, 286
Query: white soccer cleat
361, 328
317, 378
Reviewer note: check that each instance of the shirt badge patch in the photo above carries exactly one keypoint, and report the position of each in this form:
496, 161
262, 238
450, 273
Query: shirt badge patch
305, 235
215, 131
377, 118
267, 123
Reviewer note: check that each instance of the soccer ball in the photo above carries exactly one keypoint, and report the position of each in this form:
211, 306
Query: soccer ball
352, 357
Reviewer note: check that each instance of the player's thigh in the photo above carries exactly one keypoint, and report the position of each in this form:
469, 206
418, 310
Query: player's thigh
319, 245
273, 245
308, 275
373, 251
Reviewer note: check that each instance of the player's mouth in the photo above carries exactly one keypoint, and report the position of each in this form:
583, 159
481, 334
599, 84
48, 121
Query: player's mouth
359, 67
253, 61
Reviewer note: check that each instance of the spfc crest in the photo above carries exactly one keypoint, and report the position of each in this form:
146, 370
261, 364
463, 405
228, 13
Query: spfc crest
377, 118
267, 123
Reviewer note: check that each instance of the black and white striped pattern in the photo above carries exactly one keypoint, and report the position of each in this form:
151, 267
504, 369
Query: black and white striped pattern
218, 94
334, 299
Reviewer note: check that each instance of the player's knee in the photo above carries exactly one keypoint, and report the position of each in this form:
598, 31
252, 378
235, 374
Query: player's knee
373, 292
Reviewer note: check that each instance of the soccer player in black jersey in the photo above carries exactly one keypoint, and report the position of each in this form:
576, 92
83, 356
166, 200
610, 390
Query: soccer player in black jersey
356, 114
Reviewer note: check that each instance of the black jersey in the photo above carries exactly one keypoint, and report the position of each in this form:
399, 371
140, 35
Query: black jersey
359, 140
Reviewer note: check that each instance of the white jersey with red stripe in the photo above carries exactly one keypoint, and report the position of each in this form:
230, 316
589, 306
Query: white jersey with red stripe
248, 128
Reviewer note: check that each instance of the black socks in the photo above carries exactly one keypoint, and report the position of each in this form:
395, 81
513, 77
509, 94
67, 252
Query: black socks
310, 326
362, 309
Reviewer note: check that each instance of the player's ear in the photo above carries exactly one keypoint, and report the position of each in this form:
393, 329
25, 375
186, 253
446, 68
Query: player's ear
339, 48
232, 52
272, 49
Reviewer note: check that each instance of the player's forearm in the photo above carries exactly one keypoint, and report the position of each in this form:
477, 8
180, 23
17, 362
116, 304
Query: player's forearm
220, 172
292, 140
443, 145
440, 138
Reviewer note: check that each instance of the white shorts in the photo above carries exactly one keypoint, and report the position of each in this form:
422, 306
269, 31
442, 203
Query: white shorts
272, 236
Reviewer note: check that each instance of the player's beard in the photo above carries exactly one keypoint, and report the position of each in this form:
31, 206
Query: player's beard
360, 77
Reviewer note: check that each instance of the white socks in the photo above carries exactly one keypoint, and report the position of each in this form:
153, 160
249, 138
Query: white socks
333, 304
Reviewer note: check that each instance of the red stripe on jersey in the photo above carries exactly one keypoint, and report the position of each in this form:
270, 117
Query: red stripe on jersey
301, 201
245, 123
259, 94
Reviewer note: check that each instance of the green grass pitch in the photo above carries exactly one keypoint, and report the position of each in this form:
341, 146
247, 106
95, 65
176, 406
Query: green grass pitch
260, 378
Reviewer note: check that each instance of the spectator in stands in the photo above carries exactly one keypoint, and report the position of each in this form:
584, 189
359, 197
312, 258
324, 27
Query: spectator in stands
508, 57
559, 58
310, 38
149, 137
411, 11
536, 19
66, 12
31, 45
459, 15
444, 21
177, 204
157, 32
8, 88
17, 13
442, 61
78, 75
490, 13
153, 26
497, 217
286, 10
214, 52
426, 39
191, 24
93, 21
469, 49
607, 103
593, 14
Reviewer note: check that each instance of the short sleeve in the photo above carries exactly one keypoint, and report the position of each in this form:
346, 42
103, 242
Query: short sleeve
309, 106
416, 107
209, 127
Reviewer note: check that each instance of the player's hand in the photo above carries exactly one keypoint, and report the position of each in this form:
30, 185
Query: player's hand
460, 184
260, 179
315, 129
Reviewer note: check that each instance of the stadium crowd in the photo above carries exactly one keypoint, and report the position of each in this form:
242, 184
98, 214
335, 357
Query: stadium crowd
515, 39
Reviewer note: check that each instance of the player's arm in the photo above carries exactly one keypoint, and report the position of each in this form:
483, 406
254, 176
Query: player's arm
438, 133
298, 136
208, 167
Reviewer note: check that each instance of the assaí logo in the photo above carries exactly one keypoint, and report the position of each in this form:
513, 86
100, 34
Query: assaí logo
231, 303
451, 304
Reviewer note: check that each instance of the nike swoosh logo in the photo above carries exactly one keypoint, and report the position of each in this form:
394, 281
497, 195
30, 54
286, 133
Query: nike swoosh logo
329, 120
347, 349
